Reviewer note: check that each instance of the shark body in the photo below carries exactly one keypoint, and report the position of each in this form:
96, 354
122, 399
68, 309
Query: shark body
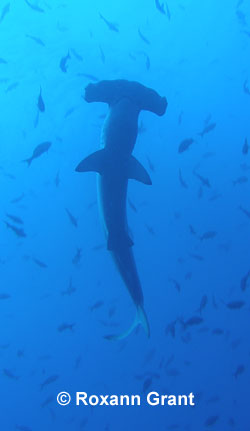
115, 165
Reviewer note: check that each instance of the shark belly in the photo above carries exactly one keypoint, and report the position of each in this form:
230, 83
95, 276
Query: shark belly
112, 196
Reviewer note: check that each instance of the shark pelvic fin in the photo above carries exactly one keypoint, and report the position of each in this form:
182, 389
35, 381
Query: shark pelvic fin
137, 172
140, 319
93, 163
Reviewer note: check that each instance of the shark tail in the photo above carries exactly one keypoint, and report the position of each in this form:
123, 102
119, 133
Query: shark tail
140, 319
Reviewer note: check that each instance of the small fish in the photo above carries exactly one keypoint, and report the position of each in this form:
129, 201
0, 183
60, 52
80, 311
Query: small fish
34, 7
72, 218
185, 144
69, 112
147, 62
245, 167
240, 180
215, 197
4, 12
245, 211
70, 289
96, 305
241, 17
208, 154
76, 54
112, 311
14, 218
196, 256
143, 37
36, 39
182, 182
235, 305
207, 129
150, 164
188, 275
40, 102
76, 259
192, 230
170, 329
17, 199
40, 263
146, 384
63, 63
38, 151
102, 54
210, 234
20, 353
111, 26
4, 346
3, 80
246, 32
204, 181
89, 76
2, 61
211, 420
246, 88
217, 331
49, 380
12, 87
180, 118
173, 372
78, 362
23, 428
160, 7
4, 296
9, 374
48, 401
203, 303
244, 280
132, 206
193, 321
65, 326
245, 147
239, 370
18, 231
169, 360
176, 284
150, 229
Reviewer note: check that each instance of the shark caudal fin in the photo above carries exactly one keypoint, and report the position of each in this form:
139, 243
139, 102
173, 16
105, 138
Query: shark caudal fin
140, 319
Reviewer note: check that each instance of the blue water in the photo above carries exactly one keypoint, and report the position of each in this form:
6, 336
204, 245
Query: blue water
197, 55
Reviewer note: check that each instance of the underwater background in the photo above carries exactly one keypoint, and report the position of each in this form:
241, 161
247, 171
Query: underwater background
60, 293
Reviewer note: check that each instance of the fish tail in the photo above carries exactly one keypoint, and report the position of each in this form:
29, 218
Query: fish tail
28, 161
140, 319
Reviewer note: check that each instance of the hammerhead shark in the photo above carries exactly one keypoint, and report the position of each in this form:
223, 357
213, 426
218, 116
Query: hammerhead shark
115, 165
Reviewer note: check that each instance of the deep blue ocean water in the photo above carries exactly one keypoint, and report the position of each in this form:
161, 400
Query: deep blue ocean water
190, 228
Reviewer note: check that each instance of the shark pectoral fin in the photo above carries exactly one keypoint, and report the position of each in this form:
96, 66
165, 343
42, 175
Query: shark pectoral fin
115, 241
137, 172
140, 319
93, 163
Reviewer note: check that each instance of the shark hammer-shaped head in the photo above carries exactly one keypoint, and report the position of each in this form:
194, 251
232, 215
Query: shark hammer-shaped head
112, 91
